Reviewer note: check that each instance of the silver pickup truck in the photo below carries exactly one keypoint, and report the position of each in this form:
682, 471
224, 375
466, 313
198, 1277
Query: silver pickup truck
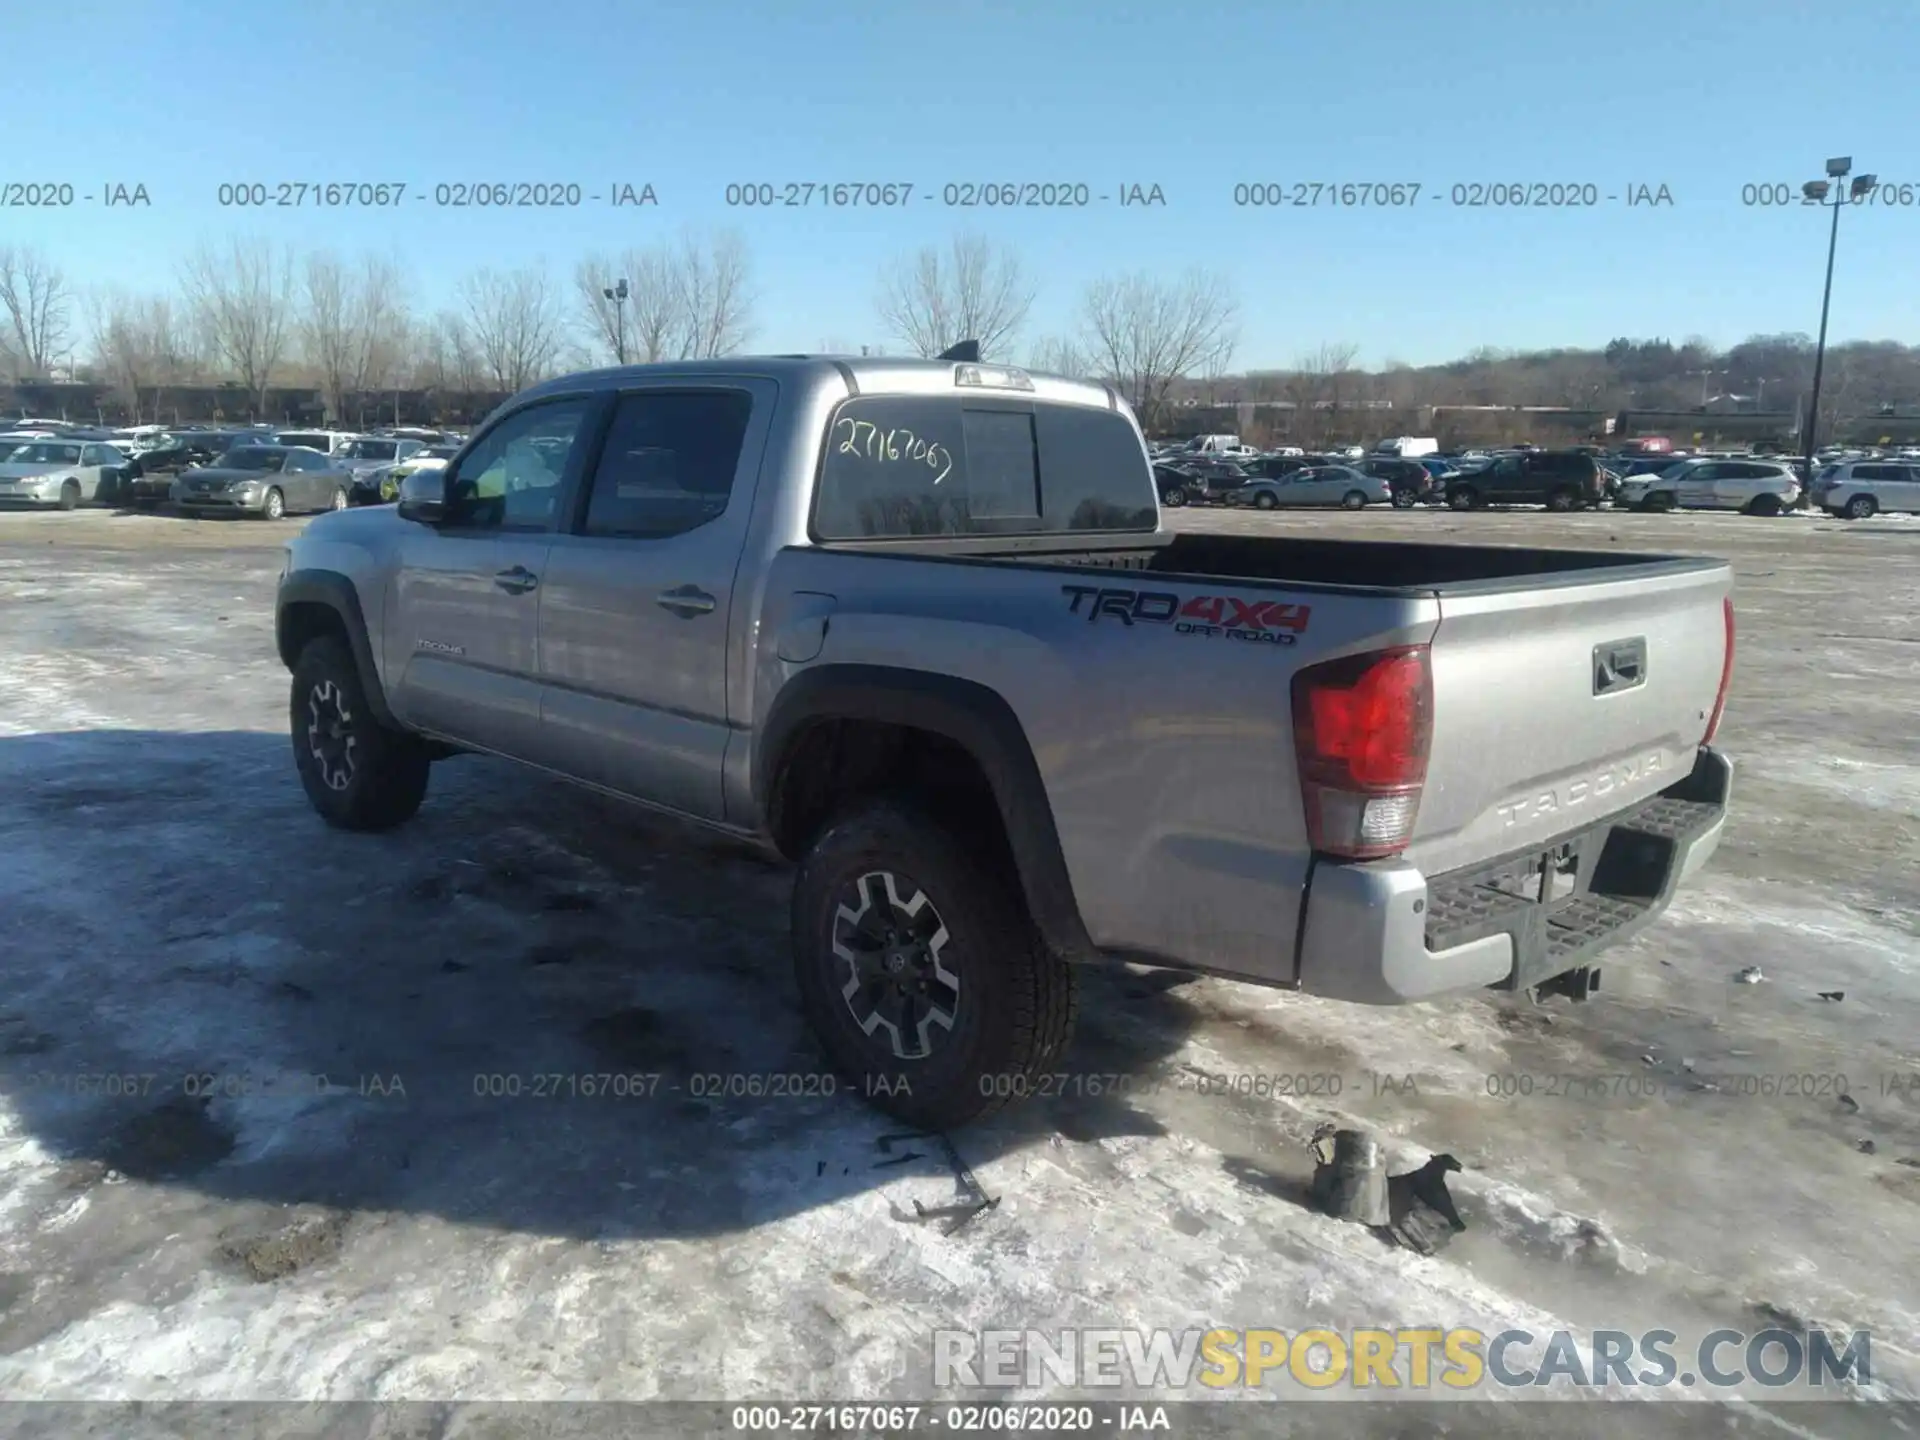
914, 624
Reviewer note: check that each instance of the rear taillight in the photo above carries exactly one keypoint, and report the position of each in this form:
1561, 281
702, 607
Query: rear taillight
1362, 726
1726, 676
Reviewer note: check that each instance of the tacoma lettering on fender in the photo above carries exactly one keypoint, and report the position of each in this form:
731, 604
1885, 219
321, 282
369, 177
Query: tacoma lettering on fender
914, 625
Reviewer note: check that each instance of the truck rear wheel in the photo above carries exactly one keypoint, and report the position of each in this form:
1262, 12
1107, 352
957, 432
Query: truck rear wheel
1462, 497
920, 971
358, 773
1563, 500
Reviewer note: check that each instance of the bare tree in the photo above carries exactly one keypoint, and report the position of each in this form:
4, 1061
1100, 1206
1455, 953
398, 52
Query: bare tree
120, 346
1059, 355
242, 300
973, 292
330, 329
1146, 334
385, 327
514, 322
691, 300
716, 302
643, 328
37, 302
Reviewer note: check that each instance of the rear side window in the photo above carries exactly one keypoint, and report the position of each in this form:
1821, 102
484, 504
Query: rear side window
1879, 472
899, 466
668, 463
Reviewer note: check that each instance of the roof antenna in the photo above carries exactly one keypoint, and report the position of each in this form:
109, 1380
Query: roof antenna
967, 352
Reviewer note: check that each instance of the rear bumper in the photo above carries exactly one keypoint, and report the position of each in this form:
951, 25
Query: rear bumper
1384, 934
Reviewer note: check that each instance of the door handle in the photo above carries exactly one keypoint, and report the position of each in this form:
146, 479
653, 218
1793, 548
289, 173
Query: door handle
687, 601
516, 581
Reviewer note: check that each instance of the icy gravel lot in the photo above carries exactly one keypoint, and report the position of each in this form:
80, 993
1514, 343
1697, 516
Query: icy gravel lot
173, 918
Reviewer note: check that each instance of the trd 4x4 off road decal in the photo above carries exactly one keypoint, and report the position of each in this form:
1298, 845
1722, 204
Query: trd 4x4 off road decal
1271, 622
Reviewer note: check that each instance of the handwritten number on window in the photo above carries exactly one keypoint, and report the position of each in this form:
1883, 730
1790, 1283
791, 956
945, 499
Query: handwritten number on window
863, 437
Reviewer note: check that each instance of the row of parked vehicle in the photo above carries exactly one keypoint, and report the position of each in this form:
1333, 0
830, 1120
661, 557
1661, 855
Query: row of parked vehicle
255, 470
1217, 470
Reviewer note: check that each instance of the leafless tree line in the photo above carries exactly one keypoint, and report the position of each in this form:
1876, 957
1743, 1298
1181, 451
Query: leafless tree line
1140, 332
262, 315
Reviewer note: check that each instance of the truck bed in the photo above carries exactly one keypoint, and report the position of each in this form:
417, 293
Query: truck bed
1310, 563
1166, 745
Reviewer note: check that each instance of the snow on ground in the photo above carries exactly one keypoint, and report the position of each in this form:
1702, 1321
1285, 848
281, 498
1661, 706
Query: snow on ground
350, 1215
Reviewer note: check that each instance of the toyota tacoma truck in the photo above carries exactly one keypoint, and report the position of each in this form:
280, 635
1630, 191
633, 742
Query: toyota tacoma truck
916, 626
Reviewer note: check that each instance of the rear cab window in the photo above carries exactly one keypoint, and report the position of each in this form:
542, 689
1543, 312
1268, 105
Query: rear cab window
904, 466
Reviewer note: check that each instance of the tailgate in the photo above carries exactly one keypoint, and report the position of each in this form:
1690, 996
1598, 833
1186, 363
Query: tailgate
1540, 726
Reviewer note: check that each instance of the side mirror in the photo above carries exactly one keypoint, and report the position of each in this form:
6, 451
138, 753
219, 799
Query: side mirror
423, 497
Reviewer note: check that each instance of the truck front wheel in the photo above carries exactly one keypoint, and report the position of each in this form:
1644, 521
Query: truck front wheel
920, 971
358, 773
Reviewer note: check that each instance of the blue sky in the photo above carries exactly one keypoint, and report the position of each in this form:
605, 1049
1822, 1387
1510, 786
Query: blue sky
1701, 96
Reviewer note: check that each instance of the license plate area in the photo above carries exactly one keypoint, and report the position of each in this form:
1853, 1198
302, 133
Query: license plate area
1542, 877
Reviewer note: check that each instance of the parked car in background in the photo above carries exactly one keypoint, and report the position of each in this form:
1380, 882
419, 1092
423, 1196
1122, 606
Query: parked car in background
148, 477
1278, 467
1411, 481
364, 454
1317, 485
1557, 479
1755, 487
1210, 478
265, 480
64, 474
1860, 489
1220, 445
327, 442
1176, 486
1408, 447
382, 486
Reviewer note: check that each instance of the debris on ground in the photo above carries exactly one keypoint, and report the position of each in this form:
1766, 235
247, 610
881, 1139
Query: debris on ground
273, 1254
1425, 1218
1833, 994
1350, 1177
1750, 976
973, 1200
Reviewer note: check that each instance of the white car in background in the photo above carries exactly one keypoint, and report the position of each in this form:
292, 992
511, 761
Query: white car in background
60, 473
1860, 489
1753, 487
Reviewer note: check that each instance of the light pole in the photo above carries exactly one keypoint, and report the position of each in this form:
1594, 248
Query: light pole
617, 293
1815, 193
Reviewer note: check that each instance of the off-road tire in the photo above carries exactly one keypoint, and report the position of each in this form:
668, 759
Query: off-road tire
1016, 1003
387, 774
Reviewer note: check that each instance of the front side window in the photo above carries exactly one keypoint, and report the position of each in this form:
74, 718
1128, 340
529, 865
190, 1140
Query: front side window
511, 479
